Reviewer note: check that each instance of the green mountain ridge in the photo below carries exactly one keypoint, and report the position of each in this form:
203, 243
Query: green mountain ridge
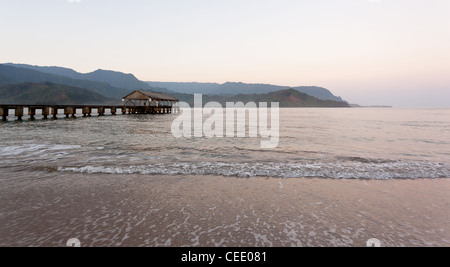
30, 80
286, 98
234, 88
20, 75
116, 84
50, 94
114, 78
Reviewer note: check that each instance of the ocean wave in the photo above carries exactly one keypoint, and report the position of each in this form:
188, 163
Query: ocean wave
364, 160
335, 170
32, 149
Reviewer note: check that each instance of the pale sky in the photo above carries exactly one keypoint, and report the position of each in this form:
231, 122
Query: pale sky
393, 52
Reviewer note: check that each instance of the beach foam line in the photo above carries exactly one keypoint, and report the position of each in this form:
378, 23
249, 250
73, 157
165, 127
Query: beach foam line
346, 170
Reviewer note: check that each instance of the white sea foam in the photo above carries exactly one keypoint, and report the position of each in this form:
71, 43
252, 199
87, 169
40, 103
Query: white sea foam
15, 150
337, 170
33, 148
63, 147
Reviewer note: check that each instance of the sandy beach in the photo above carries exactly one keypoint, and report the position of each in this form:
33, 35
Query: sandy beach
139, 210
225, 124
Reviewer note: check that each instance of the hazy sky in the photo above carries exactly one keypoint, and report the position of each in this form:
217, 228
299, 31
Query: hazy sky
394, 52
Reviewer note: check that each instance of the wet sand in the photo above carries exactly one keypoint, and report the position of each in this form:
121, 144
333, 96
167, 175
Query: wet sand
138, 210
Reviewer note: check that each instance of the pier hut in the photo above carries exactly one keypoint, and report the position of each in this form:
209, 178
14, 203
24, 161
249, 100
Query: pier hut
143, 102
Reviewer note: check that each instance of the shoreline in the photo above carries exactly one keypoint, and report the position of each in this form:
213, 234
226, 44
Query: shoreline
54, 169
199, 211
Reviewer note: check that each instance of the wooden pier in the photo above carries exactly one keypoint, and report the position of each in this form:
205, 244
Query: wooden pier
52, 111
138, 102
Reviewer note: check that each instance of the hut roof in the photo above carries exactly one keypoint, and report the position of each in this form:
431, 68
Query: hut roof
144, 95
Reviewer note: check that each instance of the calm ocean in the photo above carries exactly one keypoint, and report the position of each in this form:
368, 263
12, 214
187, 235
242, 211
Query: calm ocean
324, 143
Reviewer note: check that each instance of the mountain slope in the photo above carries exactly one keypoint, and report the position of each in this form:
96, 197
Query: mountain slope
13, 75
4, 80
50, 93
118, 79
318, 92
116, 84
230, 88
113, 78
243, 88
291, 98
188, 88
53, 70
286, 98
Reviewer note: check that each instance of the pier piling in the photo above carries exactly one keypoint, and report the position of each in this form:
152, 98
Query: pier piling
45, 112
86, 111
101, 111
19, 113
68, 111
4, 112
31, 113
55, 112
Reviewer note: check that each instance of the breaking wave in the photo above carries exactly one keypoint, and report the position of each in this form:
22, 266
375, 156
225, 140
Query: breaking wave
336, 170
